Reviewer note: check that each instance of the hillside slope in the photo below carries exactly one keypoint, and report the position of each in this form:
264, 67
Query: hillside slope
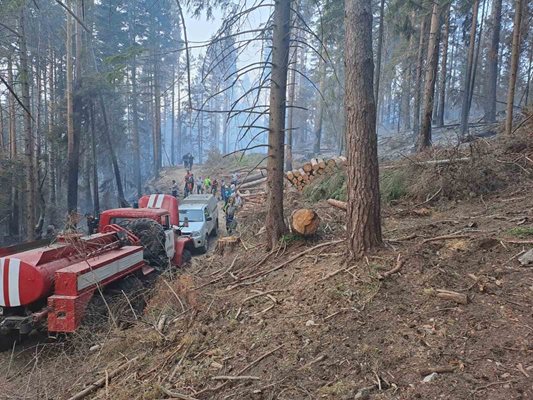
300, 323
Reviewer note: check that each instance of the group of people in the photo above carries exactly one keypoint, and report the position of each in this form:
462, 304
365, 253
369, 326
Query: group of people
188, 160
228, 193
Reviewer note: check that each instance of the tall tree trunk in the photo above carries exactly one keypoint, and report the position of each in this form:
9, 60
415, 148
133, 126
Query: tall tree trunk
157, 119
14, 221
2, 129
172, 118
418, 76
465, 109
424, 137
363, 215
275, 223
178, 117
116, 170
96, 194
443, 69
319, 118
492, 62
135, 129
379, 51
528, 81
515, 55
290, 118
31, 178
51, 137
72, 179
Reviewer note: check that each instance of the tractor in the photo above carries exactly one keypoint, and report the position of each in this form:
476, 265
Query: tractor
50, 286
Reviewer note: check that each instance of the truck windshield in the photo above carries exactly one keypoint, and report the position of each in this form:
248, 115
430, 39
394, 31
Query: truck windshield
191, 215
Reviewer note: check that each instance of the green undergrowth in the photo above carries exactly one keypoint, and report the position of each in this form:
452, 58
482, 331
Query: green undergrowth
393, 186
521, 231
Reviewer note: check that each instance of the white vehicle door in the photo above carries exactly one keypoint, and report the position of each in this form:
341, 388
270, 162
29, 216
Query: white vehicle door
170, 245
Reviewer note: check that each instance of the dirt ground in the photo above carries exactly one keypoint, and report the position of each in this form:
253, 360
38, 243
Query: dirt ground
301, 323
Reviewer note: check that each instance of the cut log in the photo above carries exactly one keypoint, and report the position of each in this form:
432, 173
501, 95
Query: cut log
337, 203
444, 294
253, 184
290, 176
321, 163
305, 222
307, 167
314, 164
254, 177
331, 163
226, 245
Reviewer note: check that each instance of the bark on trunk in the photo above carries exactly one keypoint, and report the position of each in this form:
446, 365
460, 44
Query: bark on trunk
135, 129
157, 119
492, 62
424, 137
72, 181
515, 55
320, 106
443, 69
14, 218
465, 109
275, 222
379, 51
96, 195
290, 118
116, 170
29, 139
418, 76
363, 206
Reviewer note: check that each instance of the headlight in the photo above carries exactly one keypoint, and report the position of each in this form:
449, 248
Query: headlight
1, 311
195, 233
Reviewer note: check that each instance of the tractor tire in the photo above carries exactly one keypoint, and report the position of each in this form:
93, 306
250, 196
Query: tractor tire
186, 258
152, 237
8, 340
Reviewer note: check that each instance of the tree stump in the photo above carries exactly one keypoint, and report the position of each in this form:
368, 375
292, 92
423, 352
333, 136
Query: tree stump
305, 222
227, 244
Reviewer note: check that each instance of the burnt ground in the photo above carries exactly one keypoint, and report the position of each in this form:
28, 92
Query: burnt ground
315, 327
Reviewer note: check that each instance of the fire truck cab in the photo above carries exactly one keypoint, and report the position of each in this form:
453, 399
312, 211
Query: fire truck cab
150, 225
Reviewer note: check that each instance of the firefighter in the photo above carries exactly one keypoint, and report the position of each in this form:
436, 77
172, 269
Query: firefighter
92, 224
189, 183
174, 189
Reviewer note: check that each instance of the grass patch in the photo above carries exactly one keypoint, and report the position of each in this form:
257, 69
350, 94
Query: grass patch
327, 187
521, 231
289, 238
394, 185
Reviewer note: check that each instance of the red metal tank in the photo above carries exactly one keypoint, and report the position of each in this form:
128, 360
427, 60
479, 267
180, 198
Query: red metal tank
28, 276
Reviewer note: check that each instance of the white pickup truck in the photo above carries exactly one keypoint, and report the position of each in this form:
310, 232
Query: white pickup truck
198, 215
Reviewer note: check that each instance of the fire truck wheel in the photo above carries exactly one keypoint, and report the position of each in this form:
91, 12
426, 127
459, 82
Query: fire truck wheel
186, 257
152, 237
7, 340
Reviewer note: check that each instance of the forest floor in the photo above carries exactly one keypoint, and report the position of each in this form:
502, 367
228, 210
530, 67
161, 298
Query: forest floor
300, 323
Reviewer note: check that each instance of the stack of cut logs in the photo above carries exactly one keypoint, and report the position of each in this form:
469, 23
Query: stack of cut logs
300, 177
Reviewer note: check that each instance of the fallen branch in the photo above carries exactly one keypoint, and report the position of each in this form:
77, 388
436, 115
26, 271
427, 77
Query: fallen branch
314, 361
445, 237
102, 381
452, 296
176, 395
338, 204
267, 294
303, 253
332, 274
242, 371
235, 378
438, 370
399, 265
401, 239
